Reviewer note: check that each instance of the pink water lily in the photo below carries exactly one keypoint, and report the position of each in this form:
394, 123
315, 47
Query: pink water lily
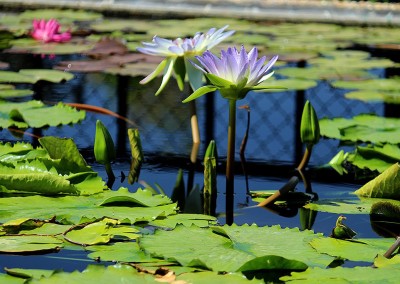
49, 31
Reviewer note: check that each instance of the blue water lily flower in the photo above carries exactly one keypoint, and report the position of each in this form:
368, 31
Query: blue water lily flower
234, 73
176, 51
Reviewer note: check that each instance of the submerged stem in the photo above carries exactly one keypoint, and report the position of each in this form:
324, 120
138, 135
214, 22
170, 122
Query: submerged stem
230, 161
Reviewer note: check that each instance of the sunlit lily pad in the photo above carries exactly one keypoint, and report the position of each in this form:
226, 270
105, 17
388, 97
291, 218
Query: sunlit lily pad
71, 15
120, 251
71, 209
187, 220
318, 73
37, 114
31, 46
34, 75
24, 244
100, 232
364, 127
228, 248
344, 275
28, 273
100, 274
351, 63
355, 250
374, 96
14, 93
290, 84
383, 186
374, 84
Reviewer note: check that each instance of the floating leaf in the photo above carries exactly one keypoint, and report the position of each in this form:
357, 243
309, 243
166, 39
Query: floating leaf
71, 209
374, 84
213, 277
363, 127
100, 274
142, 197
187, 220
65, 14
28, 273
14, 93
100, 232
121, 252
318, 73
383, 186
24, 244
228, 248
389, 97
289, 84
37, 114
355, 250
344, 275
54, 76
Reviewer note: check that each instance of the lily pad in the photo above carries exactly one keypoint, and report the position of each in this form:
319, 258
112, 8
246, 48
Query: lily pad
15, 93
373, 84
187, 220
383, 186
24, 244
344, 275
71, 209
65, 14
363, 127
388, 97
31, 46
319, 73
37, 114
54, 76
100, 274
100, 232
228, 248
290, 84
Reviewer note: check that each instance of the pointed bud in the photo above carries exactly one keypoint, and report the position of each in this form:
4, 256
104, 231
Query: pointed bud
104, 150
309, 128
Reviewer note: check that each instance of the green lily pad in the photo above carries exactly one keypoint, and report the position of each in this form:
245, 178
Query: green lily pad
319, 73
54, 76
99, 274
364, 127
145, 198
213, 277
355, 250
187, 220
71, 209
344, 275
28, 273
374, 96
351, 63
24, 244
14, 93
37, 114
290, 84
383, 186
31, 46
228, 248
121, 252
64, 14
100, 232
373, 84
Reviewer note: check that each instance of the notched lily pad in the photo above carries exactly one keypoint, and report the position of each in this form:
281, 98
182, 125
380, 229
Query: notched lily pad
29, 244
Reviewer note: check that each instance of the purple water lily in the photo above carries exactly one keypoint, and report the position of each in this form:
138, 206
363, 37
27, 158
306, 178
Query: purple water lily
235, 73
177, 51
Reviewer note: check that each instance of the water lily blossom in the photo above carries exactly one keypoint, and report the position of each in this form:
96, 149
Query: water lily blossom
176, 51
234, 73
49, 31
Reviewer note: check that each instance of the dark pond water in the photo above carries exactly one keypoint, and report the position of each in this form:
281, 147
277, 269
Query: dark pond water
272, 152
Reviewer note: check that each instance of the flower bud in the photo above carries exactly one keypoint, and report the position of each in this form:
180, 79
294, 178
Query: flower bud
309, 128
104, 150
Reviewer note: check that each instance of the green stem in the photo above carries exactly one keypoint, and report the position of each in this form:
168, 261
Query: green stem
110, 174
230, 161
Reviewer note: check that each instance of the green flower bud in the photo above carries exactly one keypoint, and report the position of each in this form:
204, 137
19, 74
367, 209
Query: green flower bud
309, 128
104, 150
341, 231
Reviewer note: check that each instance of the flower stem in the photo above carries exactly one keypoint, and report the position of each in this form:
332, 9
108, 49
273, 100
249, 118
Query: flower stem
196, 143
230, 162
306, 158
